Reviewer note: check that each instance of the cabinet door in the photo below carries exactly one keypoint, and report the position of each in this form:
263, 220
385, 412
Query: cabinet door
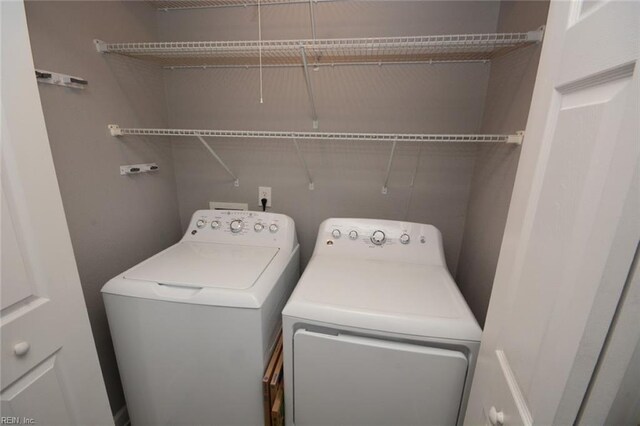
573, 226
50, 372
351, 380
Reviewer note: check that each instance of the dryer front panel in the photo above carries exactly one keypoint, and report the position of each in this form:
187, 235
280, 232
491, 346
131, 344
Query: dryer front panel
344, 379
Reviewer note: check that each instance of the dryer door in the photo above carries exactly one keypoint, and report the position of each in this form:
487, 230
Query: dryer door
352, 380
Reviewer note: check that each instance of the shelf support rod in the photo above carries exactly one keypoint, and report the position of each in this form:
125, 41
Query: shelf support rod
386, 179
304, 163
236, 182
313, 20
314, 114
260, 48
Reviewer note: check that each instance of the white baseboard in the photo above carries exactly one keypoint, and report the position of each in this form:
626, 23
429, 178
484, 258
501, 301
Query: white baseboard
121, 418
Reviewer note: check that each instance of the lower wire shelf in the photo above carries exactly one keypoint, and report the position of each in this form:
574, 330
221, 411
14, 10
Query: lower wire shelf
336, 136
394, 138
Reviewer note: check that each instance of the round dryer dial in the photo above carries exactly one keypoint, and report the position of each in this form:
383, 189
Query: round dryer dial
405, 238
273, 228
258, 227
235, 226
201, 223
353, 235
378, 238
215, 224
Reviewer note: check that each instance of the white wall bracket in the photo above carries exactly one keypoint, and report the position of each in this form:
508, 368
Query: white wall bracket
307, 79
236, 181
115, 130
385, 190
517, 138
50, 77
304, 163
537, 34
134, 169
101, 46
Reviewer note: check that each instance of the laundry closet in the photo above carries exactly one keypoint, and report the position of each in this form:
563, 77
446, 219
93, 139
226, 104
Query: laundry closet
412, 111
465, 68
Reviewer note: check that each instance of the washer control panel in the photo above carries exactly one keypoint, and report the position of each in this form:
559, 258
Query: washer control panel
233, 226
384, 239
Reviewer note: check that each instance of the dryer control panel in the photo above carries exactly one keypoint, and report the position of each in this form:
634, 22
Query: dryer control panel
383, 239
242, 227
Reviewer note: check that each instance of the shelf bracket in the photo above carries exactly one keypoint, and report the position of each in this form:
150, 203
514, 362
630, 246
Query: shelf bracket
236, 182
517, 138
101, 46
537, 34
115, 130
307, 79
304, 163
386, 179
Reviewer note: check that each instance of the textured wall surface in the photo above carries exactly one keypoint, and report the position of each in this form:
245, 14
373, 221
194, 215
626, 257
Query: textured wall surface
115, 221
506, 109
349, 176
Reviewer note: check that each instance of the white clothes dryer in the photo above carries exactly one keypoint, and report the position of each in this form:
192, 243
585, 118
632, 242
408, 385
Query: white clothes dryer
376, 331
193, 326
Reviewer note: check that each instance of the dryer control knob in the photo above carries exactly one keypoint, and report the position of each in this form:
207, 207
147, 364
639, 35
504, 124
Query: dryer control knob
201, 223
378, 238
405, 238
336, 233
353, 235
236, 226
258, 227
215, 224
273, 228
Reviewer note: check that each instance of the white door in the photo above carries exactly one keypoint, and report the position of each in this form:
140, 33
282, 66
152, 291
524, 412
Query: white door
50, 370
573, 222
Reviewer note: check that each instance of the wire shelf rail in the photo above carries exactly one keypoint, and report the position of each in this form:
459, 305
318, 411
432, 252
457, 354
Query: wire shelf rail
333, 136
373, 50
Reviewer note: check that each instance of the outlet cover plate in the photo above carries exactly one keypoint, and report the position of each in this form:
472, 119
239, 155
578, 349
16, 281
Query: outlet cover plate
264, 192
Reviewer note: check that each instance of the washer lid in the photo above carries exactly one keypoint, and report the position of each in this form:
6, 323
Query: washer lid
195, 264
393, 296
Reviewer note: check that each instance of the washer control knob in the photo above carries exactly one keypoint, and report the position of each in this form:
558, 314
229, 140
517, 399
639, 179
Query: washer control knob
258, 227
378, 238
353, 235
215, 224
236, 226
336, 233
405, 238
201, 223
273, 228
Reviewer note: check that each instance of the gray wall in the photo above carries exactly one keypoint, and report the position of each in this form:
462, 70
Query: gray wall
506, 108
349, 176
114, 221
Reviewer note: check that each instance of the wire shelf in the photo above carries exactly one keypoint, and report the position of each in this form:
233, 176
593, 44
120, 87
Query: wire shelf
377, 50
333, 136
205, 4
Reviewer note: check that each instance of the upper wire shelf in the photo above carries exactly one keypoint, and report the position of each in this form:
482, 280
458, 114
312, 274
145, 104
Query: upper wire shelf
205, 4
376, 50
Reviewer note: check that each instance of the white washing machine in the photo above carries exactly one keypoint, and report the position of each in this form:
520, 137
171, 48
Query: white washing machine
193, 326
376, 331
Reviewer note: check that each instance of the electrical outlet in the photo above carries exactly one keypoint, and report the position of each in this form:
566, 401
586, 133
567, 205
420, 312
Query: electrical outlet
264, 192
